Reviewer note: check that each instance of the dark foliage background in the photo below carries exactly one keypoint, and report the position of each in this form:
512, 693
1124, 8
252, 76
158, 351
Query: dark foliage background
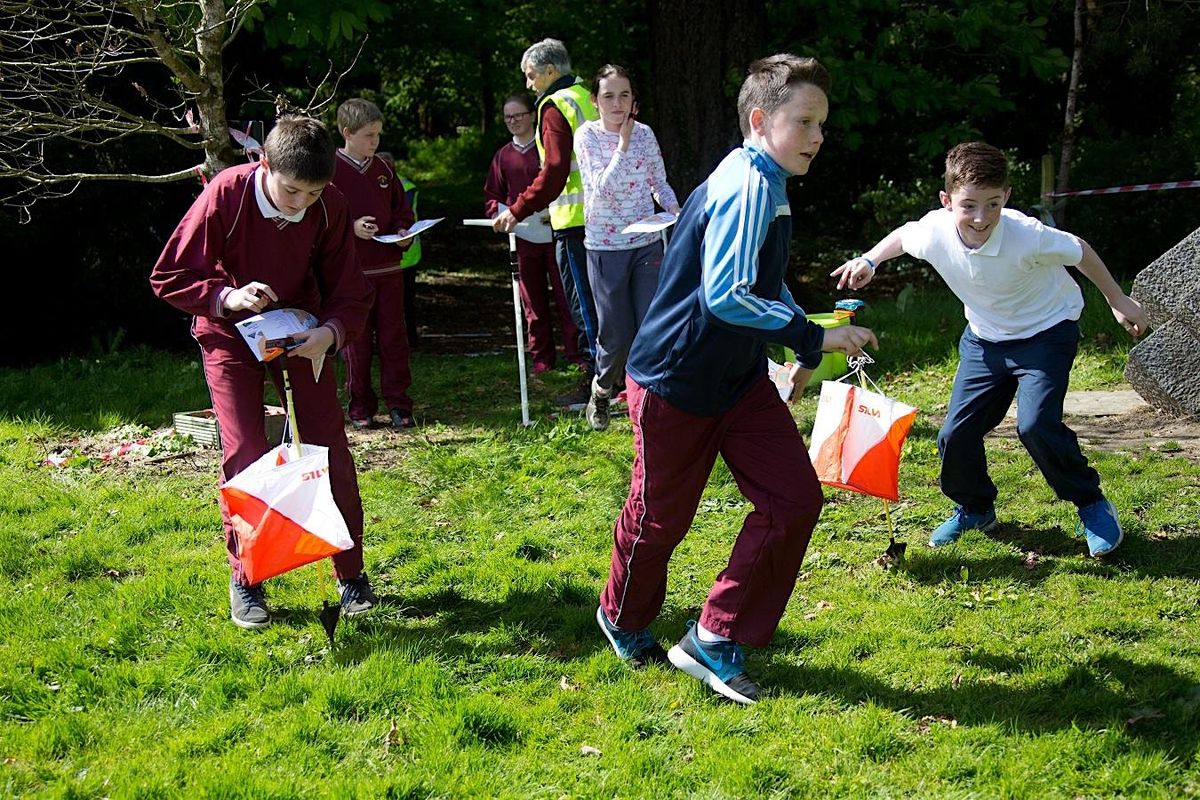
909, 81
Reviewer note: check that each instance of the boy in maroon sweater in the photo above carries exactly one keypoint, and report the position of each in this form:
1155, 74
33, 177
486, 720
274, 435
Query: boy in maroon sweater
378, 205
273, 233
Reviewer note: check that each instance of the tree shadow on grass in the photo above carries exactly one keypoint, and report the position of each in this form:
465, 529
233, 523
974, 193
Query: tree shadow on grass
558, 623
1055, 552
1152, 702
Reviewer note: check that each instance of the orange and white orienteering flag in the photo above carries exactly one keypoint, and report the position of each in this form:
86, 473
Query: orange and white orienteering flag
283, 512
857, 437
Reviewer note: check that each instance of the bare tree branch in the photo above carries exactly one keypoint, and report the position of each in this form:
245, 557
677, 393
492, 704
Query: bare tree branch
88, 73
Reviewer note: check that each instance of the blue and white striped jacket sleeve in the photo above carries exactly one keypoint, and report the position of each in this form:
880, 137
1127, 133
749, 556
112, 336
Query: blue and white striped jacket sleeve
740, 209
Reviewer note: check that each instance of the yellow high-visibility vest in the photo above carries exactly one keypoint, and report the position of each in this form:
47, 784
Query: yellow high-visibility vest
413, 254
575, 103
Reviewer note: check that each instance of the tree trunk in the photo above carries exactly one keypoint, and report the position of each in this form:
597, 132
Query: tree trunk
214, 125
1069, 116
701, 51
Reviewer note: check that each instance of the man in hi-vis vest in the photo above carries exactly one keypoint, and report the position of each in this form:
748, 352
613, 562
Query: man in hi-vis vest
563, 104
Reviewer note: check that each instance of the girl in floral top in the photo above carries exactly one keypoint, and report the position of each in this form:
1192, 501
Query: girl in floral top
623, 176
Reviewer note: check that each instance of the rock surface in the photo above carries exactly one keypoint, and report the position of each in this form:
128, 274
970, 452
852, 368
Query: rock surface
1164, 368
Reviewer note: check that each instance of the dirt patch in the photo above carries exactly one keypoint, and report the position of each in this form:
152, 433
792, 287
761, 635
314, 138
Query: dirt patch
131, 449
1138, 430
1142, 429
464, 295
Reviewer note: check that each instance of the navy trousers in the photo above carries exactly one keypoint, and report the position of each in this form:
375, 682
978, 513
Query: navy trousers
1036, 370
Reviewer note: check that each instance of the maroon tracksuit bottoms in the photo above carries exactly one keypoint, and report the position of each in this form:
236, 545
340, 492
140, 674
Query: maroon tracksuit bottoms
538, 270
385, 331
674, 453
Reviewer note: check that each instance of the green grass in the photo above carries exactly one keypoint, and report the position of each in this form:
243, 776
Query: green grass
965, 673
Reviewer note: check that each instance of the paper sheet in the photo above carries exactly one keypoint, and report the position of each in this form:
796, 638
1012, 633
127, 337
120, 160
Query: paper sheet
415, 230
781, 376
278, 323
652, 223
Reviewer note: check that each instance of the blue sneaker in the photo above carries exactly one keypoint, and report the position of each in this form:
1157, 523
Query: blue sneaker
719, 665
959, 523
1099, 526
639, 648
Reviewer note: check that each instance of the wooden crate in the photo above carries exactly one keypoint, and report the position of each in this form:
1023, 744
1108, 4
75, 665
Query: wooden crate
203, 427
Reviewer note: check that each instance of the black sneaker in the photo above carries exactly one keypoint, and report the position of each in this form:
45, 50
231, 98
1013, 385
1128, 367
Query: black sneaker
596, 412
719, 665
248, 605
357, 596
402, 419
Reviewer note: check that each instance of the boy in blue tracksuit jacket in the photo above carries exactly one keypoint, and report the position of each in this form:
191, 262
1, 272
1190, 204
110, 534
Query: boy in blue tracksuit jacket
698, 388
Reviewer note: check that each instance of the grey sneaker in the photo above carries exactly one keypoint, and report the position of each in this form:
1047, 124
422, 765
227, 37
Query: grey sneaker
596, 412
248, 605
357, 596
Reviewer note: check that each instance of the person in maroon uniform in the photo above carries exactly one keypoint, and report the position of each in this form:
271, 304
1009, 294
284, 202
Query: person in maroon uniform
514, 167
378, 205
264, 234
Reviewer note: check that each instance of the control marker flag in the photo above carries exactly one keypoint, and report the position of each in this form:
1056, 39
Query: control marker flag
283, 512
857, 437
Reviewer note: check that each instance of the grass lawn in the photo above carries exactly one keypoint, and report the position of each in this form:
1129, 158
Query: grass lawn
1008, 665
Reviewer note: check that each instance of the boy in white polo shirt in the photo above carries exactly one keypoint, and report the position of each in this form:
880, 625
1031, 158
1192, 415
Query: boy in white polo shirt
1022, 310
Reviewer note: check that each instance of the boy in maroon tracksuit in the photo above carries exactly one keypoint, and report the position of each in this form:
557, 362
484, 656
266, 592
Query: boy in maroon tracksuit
273, 233
378, 205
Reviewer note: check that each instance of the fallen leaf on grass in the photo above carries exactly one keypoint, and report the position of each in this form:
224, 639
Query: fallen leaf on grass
1160, 535
821, 606
566, 684
588, 750
393, 738
929, 720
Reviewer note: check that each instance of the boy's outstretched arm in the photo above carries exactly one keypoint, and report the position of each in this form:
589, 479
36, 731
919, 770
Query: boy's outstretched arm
858, 272
1126, 310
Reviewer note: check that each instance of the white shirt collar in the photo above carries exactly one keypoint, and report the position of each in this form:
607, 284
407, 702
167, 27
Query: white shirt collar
989, 248
268, 210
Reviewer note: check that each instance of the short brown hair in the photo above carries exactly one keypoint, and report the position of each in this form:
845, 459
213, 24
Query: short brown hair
976, 164
356, 113
769, 83
301, 148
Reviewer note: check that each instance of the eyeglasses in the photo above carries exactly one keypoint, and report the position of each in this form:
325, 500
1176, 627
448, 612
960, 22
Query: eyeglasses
515, 117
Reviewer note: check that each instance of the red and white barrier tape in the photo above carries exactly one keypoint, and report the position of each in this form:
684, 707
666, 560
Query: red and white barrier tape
1140, 187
